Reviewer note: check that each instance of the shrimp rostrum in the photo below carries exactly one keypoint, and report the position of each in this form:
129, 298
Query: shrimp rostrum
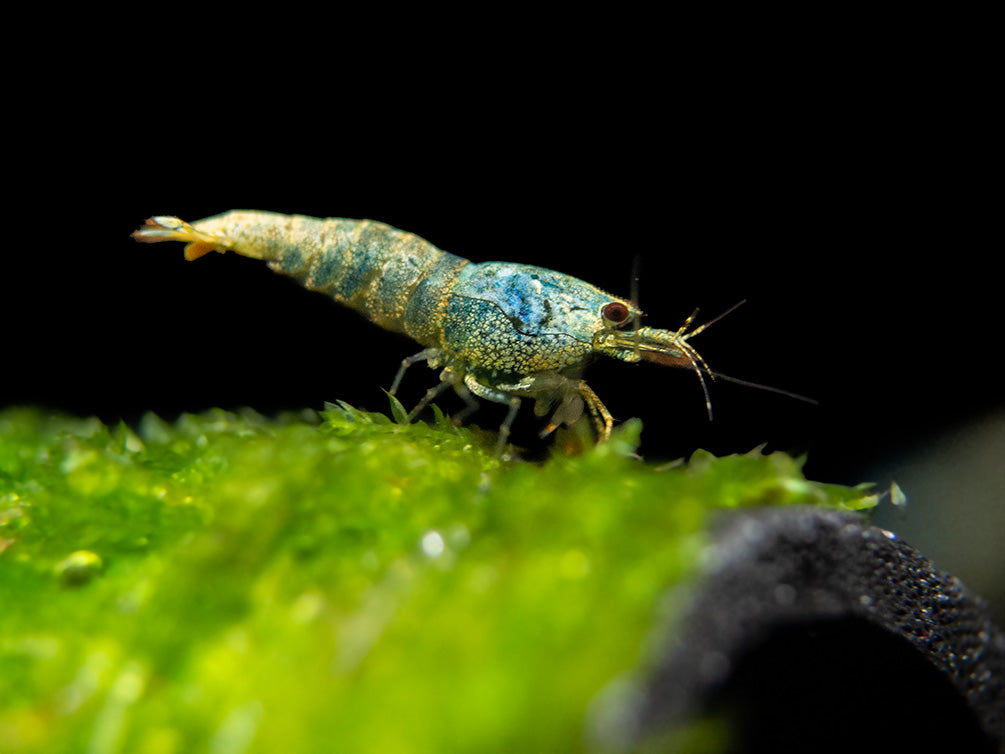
498, 331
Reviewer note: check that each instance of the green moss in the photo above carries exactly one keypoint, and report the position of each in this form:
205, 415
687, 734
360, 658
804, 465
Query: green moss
232, 583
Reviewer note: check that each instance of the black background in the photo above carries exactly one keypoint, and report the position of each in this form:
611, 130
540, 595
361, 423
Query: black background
838, 181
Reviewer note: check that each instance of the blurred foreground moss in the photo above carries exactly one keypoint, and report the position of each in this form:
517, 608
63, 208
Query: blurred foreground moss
233, 583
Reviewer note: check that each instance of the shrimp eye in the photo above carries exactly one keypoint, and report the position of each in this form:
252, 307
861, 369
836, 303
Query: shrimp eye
615, 312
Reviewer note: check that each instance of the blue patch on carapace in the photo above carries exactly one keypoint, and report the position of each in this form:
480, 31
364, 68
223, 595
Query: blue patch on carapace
536, 300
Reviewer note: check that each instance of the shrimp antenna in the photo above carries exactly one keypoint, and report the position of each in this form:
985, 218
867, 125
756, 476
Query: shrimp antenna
768, 388
712, 321
737, 380
697, 362
634, 298
636, 276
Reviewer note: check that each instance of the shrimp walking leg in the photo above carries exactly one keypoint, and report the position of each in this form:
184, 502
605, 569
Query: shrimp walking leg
497, 396
429, 354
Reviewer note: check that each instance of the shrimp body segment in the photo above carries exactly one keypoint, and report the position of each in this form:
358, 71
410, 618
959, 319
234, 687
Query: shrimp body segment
498, 330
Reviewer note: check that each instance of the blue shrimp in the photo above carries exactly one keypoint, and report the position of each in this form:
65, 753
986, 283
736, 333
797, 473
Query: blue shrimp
500, 331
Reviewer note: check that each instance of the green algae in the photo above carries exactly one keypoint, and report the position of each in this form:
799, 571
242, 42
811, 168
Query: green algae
342, 582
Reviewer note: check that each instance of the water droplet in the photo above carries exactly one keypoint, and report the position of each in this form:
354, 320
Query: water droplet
432, 544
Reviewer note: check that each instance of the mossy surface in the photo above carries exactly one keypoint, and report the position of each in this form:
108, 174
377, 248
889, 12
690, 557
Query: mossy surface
232, 583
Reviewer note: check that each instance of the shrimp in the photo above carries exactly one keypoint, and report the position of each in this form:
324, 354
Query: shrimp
498, 331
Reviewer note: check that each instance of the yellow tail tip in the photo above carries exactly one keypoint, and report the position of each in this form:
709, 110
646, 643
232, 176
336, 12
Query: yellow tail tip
198, 249
170, 228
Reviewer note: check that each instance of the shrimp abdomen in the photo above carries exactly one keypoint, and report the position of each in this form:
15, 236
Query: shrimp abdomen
396, 279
